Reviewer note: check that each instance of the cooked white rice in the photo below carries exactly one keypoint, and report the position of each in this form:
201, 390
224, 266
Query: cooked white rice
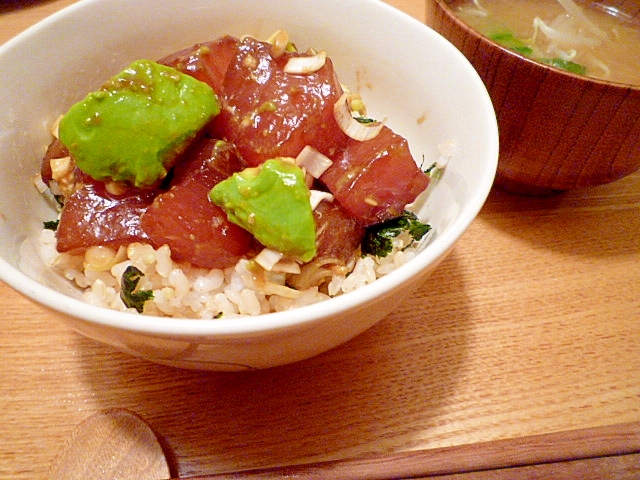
183, 291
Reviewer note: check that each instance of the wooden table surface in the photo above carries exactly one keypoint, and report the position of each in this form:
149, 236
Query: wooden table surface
530, 327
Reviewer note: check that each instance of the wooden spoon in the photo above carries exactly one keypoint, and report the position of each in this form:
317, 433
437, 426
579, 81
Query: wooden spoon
118, 444
111, 444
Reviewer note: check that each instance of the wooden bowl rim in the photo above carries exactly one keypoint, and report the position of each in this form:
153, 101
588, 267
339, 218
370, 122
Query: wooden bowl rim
486, 42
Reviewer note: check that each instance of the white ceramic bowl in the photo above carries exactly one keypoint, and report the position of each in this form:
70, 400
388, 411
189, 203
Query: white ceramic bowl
404, 70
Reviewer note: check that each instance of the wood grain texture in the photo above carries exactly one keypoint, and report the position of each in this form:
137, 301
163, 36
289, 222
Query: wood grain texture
530, 327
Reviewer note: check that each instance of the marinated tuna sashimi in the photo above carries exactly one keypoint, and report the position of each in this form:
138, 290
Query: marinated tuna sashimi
196, 230
373, 180
94, 216
207, 62
338, 233
268, 112
281, 176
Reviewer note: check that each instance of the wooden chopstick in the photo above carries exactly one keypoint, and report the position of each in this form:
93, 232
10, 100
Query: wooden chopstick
585, 454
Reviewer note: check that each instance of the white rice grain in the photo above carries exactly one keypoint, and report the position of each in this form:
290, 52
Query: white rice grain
180, 290
249, 303
179, 281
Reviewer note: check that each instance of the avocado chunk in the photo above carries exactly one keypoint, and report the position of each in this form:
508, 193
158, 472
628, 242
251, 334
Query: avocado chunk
134, 127
272, 202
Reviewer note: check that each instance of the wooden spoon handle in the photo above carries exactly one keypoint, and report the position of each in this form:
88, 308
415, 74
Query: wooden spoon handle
594, 453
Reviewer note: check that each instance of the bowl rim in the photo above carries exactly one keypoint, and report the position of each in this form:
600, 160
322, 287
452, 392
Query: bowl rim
445, 6
437, 248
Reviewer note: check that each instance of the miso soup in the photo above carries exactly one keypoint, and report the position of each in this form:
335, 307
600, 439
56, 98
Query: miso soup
583, 38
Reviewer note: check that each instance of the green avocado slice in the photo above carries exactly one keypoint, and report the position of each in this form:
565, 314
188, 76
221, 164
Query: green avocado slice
272, 202
133, 128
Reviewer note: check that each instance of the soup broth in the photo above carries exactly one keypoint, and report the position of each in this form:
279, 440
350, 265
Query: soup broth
603, 44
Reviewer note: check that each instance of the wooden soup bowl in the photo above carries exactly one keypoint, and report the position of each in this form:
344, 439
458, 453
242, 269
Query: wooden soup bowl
558, 131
